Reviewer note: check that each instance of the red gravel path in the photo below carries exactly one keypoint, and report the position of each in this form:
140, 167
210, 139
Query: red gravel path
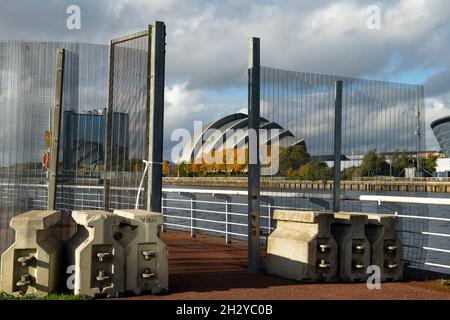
206, 268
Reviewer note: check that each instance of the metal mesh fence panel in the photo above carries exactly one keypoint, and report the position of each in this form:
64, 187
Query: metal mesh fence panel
128, 102
381, 123
83, 118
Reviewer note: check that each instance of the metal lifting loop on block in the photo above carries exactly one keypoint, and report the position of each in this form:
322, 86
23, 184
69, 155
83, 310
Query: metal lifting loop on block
26, 260
323, 264
324, 247
148, 254
25, 280
147, 274
102, 276
103, 256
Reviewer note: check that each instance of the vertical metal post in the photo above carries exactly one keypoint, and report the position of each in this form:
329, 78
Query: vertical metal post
227, 239
420, 94
155, 114
337, 147
269, 218
192, 219
54, 149
163, 228
108, 132
253, 168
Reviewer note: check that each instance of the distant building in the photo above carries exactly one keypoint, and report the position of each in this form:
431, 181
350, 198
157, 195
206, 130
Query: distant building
441, 130
84, 136
233, 131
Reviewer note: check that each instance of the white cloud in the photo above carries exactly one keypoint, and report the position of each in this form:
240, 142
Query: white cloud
207, 40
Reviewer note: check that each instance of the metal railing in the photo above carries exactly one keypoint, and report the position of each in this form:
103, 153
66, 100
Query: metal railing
225, 221
418, 200
228, 219
191, 219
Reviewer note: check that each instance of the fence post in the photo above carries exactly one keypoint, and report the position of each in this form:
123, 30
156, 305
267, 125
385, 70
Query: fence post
270, 219
227, 238
193, 233
54, 149
107, 162
163, 228
253, 151
155, 114
337, 147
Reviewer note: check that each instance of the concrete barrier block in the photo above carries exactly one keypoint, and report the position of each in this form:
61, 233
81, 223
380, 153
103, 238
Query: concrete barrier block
348, 230
146, 253
98, 257
302, 247
32, 264
386, 247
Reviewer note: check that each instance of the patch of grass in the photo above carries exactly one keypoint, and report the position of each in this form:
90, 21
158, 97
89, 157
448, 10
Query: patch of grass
445, 283
53, 296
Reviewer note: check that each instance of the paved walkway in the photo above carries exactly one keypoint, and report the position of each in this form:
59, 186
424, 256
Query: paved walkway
206, 268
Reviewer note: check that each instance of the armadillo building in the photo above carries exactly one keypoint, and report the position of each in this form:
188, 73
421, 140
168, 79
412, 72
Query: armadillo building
232, 132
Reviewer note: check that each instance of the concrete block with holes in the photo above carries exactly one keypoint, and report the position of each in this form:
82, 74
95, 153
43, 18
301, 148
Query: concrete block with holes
32, 264
386, 247
348, 230
97, 255
146, 253
302, 247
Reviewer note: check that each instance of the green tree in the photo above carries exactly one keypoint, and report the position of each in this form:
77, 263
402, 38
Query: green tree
312, 171
350, 173
428, 165
292, 157
400, 161
374, 165
184, 169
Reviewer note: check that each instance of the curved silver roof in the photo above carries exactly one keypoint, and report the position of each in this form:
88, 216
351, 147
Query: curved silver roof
232, 132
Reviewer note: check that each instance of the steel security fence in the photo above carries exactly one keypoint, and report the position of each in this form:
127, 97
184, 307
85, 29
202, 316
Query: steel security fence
127, 121
380, 124
103, 126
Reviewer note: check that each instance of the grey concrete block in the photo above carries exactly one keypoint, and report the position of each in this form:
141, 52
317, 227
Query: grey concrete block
386, 247
32, 264
98, 256
146, 253
353, 247
302, 247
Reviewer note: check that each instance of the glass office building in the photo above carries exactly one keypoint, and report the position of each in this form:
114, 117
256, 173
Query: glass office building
84, 139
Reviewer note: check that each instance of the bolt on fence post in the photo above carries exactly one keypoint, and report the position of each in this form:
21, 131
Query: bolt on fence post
254, 172
54, 149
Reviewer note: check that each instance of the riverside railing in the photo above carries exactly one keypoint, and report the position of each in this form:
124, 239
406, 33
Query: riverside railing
224, 214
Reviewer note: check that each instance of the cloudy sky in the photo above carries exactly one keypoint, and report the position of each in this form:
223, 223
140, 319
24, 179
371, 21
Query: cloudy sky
207, 43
